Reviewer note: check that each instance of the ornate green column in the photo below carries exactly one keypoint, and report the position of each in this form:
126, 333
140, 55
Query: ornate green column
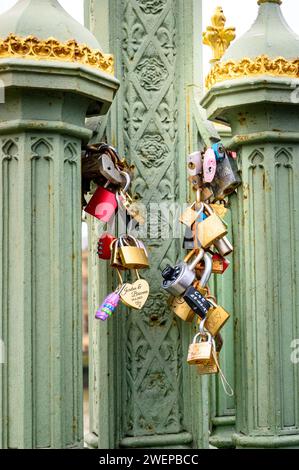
50, 87
254, 88
143, 393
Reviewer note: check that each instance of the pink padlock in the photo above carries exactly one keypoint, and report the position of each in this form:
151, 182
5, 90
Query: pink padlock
209, 165
102, 205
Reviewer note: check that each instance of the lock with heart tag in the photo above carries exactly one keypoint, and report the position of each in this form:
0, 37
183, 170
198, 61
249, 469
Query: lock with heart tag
216, 317
135, 294
201, 348
104, 246
132, 253
178, 278
194, 297
210, 229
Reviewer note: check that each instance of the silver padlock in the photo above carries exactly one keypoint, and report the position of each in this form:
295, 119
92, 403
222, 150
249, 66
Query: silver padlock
223, 246
109, 170
227, 177
178, 279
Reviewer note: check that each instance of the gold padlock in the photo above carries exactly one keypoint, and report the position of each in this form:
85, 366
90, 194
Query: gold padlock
115, 260
190, 215
210, 229
209, 366
202, 350
216, 318
133, 256
181, 308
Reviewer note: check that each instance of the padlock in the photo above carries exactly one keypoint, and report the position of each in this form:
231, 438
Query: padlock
193, 297
181, 308
227, 177
132, 253
115, 260
209, 230
102, 205
194, 163
176, 280
134, 294
209, 366
216, 318
190, 215
219, 151
135, 210
201, 350
188, 243
219, 265
223, 246
209, 165
109, 170
104, 246
108, 306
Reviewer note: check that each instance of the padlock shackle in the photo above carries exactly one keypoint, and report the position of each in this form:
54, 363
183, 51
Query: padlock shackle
196, 260
128, 180
207, 271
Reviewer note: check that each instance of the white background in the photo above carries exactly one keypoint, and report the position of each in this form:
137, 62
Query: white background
239, 13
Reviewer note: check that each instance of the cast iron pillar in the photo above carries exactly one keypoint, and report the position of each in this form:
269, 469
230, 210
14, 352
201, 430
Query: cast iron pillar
255, 88
143, 393
50, 86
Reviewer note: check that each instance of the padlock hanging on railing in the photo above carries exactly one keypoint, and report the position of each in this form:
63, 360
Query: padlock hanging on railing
194, 296
178, 278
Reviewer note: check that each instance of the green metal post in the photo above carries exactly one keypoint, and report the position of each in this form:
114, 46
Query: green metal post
263, 113
151, 397
42, 125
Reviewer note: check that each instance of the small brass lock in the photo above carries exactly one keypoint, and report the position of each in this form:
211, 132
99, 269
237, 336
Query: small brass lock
181, 308
216, 318
210, 229
132, 253
190, 215
209, 366
115, 260
201, 350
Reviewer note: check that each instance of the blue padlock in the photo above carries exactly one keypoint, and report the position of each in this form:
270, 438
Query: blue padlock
219, 151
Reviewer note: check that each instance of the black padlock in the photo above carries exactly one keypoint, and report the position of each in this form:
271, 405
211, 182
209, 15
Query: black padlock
188, 243
197, 302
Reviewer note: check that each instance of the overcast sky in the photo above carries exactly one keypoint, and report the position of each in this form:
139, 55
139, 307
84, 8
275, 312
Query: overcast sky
239, 13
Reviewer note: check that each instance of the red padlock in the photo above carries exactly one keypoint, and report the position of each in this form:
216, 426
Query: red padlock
219, 265
102, 205
104, 244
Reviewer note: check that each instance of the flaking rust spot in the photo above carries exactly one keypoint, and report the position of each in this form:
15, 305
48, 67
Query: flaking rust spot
242, 119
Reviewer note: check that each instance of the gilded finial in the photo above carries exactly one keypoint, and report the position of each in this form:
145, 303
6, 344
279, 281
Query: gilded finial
217, 36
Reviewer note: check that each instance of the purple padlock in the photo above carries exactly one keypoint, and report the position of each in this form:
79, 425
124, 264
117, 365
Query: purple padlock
108, 306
